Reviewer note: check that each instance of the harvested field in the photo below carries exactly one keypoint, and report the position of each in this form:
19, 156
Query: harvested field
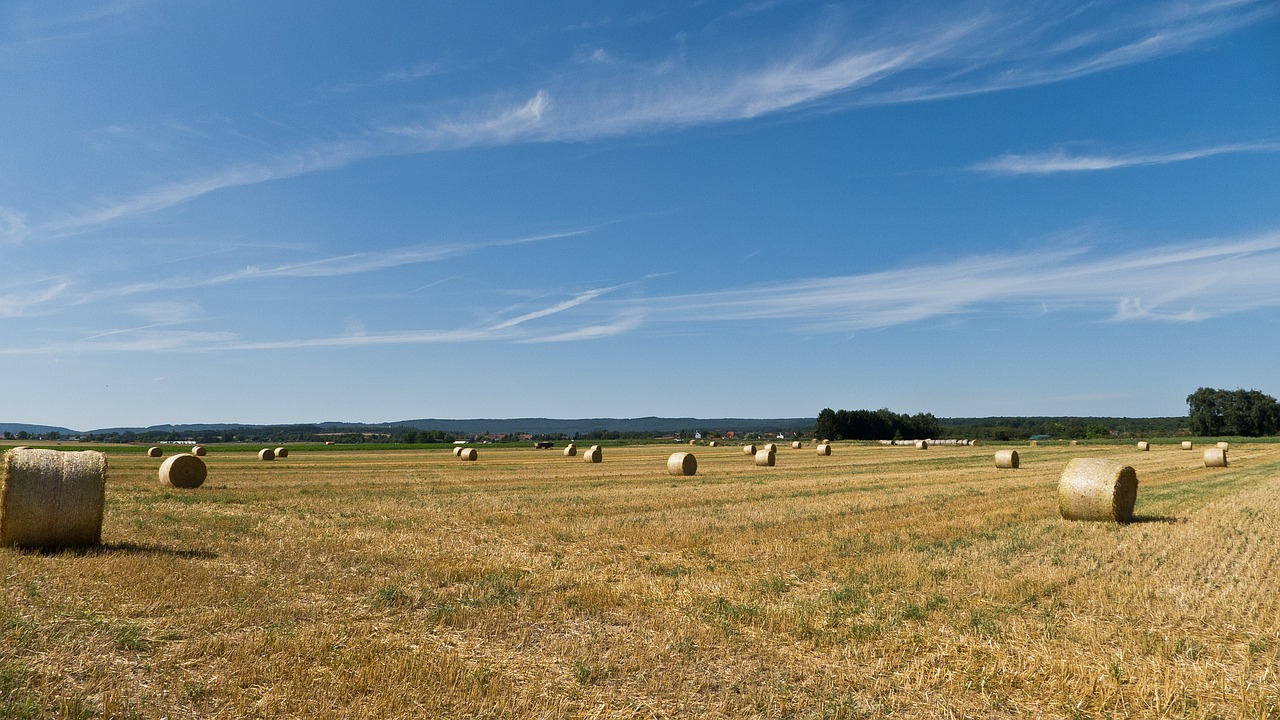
877, 582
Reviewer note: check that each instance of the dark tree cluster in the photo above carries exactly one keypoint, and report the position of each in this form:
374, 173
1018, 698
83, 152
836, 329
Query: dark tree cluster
881, 424
1247, 413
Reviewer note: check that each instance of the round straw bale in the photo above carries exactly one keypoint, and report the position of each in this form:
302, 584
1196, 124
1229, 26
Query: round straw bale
713, 443
198, 450
183, 471
51, 498
1034, 443
824, 449
1215, 457
328, 442
975, 443
1074, 443
593, 454
266, 454
154, 452
457, 450
1187, 445
1097, 489
1007, 459
748, 449
770, 447
1224, 445
682, 463
282, 452
1143, 445
693, 442
922, 444
570, 450
796, 444
468, 454
765, 458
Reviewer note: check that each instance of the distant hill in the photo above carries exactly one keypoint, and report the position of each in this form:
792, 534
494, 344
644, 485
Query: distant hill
15, 428
501, 426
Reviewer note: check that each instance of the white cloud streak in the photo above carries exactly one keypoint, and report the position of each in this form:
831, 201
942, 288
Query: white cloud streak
1059, 162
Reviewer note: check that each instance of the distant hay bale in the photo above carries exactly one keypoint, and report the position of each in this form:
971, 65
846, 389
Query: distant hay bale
282, 452
1074, 443
52, 498
765, 458
1034, 443
693, 442
770, 447
1097, 489
713, 443
922, 444
1215, 457
328, 442
593, 454
457, 450
199, 451
796, 445
1187, 445
266, 454
468, 454
748, 449
154, 452
183, 471
570, 450
1143, 445
1007, 459
824, 449
975, 443
886, 442
1224, 445
682, 463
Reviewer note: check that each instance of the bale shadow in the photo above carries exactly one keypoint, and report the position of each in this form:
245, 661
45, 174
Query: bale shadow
1166, 519
126, 548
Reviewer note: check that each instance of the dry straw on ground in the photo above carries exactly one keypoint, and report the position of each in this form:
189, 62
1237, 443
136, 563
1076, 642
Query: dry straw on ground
183, 471
765, 458
824, 449
266, 454
52, 498
468, 454
199, 450
682, 463
154, 452
1097, 489
1007, 459
1215, 457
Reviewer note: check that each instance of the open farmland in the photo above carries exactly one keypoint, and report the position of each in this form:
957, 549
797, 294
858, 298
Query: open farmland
879, 581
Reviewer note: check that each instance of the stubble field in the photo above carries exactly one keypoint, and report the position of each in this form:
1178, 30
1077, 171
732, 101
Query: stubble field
877, 582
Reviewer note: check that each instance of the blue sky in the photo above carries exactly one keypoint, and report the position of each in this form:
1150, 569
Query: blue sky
237, 211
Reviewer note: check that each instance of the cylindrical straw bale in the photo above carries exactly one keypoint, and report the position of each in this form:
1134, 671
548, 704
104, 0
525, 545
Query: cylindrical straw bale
796, 444
457, 450
468, 454
824, 449
975, 443
154, 452
713, 443
1074, 443
1034, 443
1215, 457
1224, 445
266, 454
593, 454
198, 451
682, 463
1187, 445
1007, 459
771, 447
748, 449
922, 444
570, 450
282, 452
183, 471
52, 498
1143, 445
765, 458
1097, 489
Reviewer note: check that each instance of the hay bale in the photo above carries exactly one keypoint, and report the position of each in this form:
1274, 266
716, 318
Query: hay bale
1143, 445
693, 442
824, 449
199, 451
975, 443
52, 498
1007, 459
1224, 445
155, 452
457, 450
266, 454
183, 471
1074, 443
328, 442
713, 443
571, 450
1034, 443
682, 463
922, 444
1187, 445
468, 454
765, 458
282, 452
771, 447
796, 444
1215, 457
748, 449
1097, 489
593, 454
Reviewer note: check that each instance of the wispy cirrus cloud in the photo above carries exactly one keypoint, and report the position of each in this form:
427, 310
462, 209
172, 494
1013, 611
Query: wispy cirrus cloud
1059, 161
22, 302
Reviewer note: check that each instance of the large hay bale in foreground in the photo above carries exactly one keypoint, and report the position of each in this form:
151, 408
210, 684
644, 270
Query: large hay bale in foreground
571, 450
748, 449
282, 452
1007, 459
199, 451
468, 454
155, 452
1143, 445
1187, 445
52, 499
183, 471
593, 454
765, 458
1097, 489
266, 454
824, 449
1215, 457
682, 463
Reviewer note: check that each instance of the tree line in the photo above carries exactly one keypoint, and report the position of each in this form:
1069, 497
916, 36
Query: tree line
882, 424
1247, 413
